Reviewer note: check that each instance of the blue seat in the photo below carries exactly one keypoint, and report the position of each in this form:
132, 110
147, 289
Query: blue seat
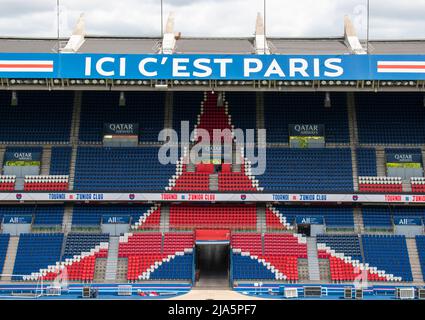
282, 109
382, 118
388, 253
144, 108
382, 217
333, 216
186, 107
245, 268
41, 116
243, 109
48, 215
36, 251
121, 169
307, 170
76, 243
366, 162
349, 245
60, 160
179, 268
85, 215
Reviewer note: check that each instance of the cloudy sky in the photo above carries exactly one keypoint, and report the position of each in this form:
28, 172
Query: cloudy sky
285, 18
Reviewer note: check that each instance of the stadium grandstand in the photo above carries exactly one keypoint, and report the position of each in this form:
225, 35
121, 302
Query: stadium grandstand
84, 197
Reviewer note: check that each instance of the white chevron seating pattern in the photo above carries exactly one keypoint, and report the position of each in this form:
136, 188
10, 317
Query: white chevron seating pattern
59, 266
357, 264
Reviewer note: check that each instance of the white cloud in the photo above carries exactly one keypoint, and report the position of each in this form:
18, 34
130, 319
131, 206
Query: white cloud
284, 18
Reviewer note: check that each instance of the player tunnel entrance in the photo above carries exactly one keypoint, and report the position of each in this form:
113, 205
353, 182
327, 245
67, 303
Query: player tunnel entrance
212, 260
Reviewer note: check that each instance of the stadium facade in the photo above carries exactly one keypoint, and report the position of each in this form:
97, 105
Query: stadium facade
85, 199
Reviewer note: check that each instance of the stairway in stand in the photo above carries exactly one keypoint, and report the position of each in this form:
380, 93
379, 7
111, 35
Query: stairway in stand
313, 260
9, 262
112, 261
414, 261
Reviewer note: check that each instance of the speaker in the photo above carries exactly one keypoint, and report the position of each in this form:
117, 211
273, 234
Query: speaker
348, 293
315, 292
89, 293
359, 294
86, 292
421, 293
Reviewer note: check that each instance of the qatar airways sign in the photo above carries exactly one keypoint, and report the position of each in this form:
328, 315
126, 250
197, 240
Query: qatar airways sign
212, 66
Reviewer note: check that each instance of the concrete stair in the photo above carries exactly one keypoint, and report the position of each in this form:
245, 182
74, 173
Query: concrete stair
164, 224
9, 262
112, 260
358, 220
100, 270
352, 123
260, 110
67, 219
122, 270
261, 218
354, 168
313, 260
303, 274
352, 119
19, 184
213, 182
190, 167
325, 270
75, 127
72, 168
45, 160
414, 261
407, 187
2, 151
380, 162
168, 114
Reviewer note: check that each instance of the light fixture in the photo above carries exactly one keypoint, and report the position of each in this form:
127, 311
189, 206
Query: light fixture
161, 86
14, 99
327, 101
121, 102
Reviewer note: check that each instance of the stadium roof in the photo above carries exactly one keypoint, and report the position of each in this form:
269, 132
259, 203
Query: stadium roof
149, 45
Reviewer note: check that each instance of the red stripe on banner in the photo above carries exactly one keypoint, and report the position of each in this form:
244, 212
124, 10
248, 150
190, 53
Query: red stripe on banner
26, 65
400, 67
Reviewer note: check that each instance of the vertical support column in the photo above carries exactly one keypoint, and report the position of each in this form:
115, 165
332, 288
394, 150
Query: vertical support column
168, 113
352, 124
75, 128
260, 110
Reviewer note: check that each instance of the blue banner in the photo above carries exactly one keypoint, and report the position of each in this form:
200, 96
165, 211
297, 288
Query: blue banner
407, 221
115, 219
17, 219
405, 157
122, 129
306, 130
214, 67
309, 220
22, 156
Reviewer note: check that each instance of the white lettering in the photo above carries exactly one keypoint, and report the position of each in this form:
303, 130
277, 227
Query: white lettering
274, 68
199, 65
223, 65
142, 67
298, 65
258, 65
101, 70
332, 64
178, 69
